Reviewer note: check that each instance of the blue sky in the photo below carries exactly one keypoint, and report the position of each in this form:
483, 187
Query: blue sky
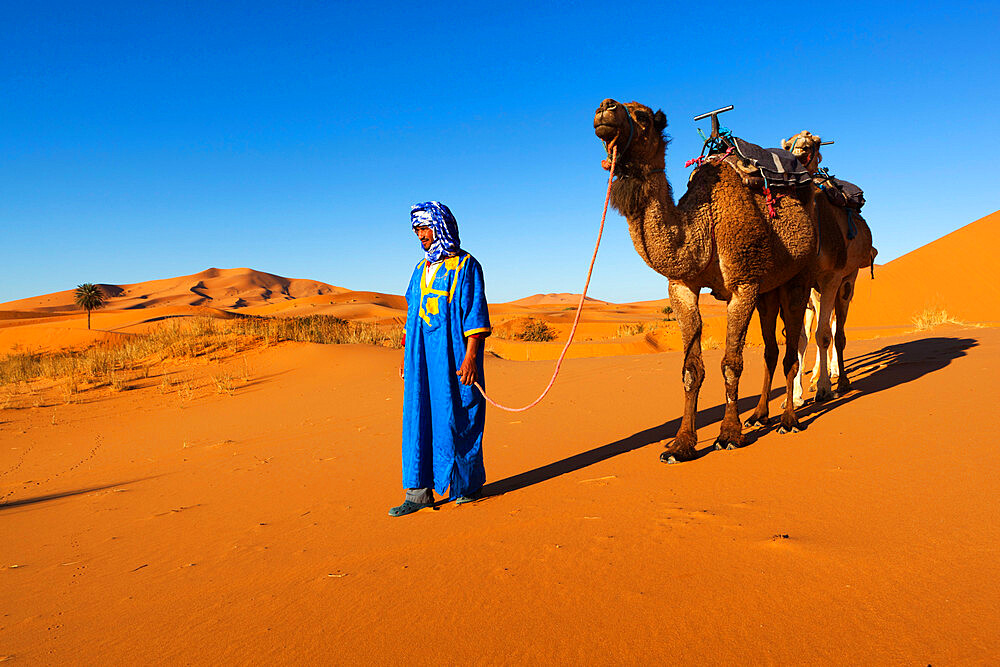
148, 140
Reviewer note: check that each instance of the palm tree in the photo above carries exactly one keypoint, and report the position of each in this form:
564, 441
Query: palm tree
90, 296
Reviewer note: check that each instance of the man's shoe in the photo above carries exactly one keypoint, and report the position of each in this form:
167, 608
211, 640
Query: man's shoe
469, 497
408, 507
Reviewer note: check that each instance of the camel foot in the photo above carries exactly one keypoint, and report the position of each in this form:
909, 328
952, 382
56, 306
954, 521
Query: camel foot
721, 443
824, 395
675, 457
843, 387
730, 435
757, 420
680, 449
789, 425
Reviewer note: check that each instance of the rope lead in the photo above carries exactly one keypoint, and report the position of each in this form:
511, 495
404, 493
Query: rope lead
579, 308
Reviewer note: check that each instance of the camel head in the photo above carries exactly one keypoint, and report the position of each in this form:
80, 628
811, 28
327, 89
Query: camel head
635, 129
805, 146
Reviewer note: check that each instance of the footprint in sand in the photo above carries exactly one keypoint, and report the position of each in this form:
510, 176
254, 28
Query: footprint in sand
679, 516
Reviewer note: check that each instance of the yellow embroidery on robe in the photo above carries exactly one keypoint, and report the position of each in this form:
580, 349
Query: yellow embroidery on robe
429, 295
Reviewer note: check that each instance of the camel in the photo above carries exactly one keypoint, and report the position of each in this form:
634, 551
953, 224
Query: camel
829, 321
805, 146
719, 236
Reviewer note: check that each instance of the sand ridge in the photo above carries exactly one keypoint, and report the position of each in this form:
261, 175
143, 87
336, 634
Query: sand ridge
220, 288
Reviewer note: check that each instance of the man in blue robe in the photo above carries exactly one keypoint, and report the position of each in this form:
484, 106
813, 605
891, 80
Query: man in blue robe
446, 324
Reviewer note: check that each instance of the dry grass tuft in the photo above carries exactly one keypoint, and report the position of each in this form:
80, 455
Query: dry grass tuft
118, 381
109, 363
932, 317
223, 383
631, 329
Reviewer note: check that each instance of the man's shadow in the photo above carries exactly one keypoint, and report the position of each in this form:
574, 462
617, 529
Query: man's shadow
889, 367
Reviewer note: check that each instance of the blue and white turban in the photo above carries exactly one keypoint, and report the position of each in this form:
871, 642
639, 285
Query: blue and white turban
438, 217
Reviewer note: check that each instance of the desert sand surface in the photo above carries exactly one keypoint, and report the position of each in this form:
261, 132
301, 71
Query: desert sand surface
232, 508
196, 527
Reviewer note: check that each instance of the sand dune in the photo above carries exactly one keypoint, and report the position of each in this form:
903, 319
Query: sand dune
562, 298
190, 526
350, 305
218, 288
947, 274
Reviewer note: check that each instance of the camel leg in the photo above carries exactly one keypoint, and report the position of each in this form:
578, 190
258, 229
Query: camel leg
803, 346
684, 301
793, 296
843, 304
824, 337
738, 314
832, 361
813, 309
767, 312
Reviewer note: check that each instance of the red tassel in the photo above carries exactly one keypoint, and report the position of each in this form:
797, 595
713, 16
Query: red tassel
771, 199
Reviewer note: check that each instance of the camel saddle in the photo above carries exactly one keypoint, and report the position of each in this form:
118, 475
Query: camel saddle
841, 193
765, 167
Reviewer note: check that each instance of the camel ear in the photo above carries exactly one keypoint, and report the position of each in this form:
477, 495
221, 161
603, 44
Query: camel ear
785, 144
659, 120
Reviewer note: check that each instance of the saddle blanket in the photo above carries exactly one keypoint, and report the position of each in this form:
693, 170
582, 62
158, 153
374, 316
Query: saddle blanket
841, 193
776, 165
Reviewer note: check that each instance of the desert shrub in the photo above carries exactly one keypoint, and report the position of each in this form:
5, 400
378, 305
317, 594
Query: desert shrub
536, 331
631, 329
932, 317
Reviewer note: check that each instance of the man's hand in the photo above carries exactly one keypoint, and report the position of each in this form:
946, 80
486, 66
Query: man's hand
402, 365
468, 372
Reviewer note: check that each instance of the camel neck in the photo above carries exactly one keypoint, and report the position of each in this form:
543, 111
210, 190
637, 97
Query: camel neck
668, 239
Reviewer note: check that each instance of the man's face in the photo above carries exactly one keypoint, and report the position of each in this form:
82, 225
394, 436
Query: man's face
426, 236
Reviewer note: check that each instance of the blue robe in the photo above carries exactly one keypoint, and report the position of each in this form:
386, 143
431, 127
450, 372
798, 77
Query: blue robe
443, 419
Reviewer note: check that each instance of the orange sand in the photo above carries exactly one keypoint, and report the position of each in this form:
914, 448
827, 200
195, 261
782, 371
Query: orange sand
947, 274
145, 527
179, 523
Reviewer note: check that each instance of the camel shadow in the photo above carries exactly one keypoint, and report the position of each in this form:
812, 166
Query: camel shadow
890, 367
883, 369
635, 441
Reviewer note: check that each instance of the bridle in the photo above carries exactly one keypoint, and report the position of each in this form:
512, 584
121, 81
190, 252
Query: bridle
631, 133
